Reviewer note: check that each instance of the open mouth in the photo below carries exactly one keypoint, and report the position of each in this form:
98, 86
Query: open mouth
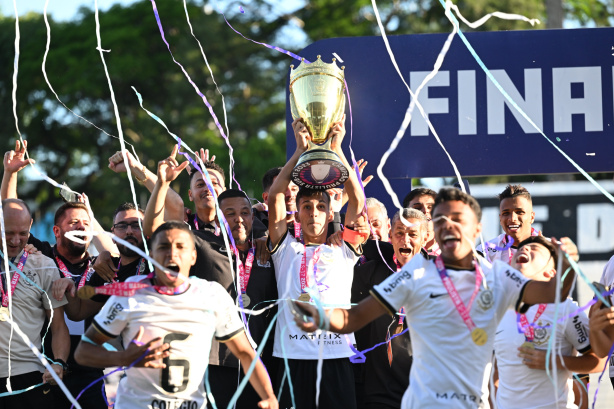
406, 252
172, 268
451, 241
523, 258
513, 227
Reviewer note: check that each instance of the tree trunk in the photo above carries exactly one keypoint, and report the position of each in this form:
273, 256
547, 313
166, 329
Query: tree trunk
554, 13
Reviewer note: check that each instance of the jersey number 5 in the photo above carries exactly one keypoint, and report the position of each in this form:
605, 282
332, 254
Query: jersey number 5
165, 377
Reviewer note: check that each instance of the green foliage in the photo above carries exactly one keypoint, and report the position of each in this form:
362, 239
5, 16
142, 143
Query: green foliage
251, 77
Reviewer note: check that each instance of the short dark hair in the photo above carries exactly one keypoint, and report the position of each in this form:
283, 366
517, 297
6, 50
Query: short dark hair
514, 191
210, 165
417, 192
230, 193
19, 202
171, 225
125, 207
269, 176
450, 194
547, 244
307, 192
59, 214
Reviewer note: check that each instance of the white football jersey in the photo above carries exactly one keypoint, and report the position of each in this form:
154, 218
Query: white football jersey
607, 279
449, 370
521, 387
187, 322
334, 275
493, 254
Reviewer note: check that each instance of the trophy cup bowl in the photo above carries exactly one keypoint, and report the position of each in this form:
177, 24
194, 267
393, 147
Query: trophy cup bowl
317, 96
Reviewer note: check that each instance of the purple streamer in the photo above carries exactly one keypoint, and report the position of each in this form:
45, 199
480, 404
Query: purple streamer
355, 358
104, 376
204, 98
272, 47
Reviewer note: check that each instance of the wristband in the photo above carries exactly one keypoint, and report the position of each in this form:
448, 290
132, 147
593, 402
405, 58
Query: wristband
353, 237
61, 362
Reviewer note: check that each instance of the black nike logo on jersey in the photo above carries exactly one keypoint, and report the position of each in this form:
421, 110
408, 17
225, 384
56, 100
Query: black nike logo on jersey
437, 295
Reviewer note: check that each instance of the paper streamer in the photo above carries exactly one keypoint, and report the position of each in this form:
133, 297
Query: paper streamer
477, 58
120, 132
204, 98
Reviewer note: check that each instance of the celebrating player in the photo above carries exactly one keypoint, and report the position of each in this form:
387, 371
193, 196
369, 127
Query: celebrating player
178, 316
452, 337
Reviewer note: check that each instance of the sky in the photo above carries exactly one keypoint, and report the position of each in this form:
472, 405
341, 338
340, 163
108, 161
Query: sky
61, 10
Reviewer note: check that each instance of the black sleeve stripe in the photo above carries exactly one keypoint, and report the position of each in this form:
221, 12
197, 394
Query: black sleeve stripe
522, 307
104, 332
269, 244
228, 337
356, 251
585, 350
381, 300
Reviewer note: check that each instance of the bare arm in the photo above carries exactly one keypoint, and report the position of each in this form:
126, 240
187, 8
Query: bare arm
96, 356
587, 363
601, 329
76, 309
173, 203
14, 161
344, 321
277, 204
240, 347
60, 342
168, 170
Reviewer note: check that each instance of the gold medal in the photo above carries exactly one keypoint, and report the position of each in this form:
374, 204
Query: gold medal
86, 292
304, 297
479, 336
4, 313
527, 344
245, 299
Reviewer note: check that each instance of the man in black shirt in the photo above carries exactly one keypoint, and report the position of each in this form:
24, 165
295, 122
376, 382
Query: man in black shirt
385, 374
75, 265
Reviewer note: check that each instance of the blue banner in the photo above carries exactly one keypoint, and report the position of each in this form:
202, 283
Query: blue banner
562, 79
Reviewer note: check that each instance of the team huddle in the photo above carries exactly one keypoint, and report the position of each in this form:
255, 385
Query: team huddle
291, 303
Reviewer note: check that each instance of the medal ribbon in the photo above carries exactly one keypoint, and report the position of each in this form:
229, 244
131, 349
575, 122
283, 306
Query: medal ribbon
524, 326
297, 231
399, 326
124, 289
162, 289
305, 266
456, 299
245, 270
128, 289
88, 271
14, 280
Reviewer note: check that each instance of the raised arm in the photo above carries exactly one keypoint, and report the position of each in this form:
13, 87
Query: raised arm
14, 161
356, 198
173, 203
168, 170
277, 205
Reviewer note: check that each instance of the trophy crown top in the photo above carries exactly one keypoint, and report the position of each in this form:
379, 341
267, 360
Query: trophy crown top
317, 67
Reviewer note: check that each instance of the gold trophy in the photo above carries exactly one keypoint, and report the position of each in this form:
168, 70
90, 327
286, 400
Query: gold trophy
317, 95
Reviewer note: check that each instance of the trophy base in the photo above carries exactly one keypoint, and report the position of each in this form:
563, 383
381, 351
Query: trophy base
319, 169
